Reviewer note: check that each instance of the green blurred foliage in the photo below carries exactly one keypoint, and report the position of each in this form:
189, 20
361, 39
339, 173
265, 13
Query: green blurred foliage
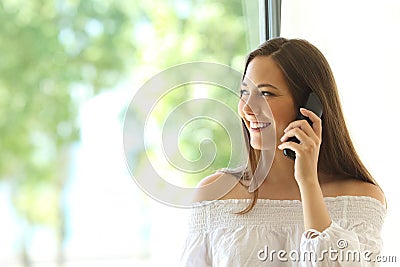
54, 56
184, 31
57, 54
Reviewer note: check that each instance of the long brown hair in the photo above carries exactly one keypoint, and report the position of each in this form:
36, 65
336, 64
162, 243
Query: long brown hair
306, 70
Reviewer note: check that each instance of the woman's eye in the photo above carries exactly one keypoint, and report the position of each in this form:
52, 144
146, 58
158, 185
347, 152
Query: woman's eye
266, 93
243, 92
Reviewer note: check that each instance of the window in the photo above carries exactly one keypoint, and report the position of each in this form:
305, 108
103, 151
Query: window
66, 196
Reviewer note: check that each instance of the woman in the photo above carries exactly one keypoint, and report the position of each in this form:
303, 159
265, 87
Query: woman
322, 209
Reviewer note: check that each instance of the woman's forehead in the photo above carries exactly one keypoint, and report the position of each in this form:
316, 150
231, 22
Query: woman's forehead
263, 71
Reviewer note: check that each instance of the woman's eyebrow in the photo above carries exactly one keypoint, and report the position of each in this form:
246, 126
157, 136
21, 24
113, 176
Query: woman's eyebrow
267, 85
263, 85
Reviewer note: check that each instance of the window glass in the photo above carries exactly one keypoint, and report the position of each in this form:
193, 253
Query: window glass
69, 70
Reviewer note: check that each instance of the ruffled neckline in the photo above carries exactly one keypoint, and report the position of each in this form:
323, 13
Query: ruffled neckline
293, 202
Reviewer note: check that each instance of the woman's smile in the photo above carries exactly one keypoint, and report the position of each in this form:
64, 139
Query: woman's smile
266, 105
259, 125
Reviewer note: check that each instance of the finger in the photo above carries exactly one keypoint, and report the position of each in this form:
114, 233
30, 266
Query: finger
303, 125
299, 134
317, 124
291, 145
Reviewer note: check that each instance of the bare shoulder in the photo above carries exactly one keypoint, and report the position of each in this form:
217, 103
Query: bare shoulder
218, 186
355, 187
362, 188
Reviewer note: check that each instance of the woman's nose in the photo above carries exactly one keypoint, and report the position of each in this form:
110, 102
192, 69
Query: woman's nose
251, 106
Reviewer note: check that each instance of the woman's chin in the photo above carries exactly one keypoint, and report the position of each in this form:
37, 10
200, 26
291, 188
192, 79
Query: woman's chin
259, 146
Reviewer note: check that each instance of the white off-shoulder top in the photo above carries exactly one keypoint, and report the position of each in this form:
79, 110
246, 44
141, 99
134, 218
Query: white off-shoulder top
273, 234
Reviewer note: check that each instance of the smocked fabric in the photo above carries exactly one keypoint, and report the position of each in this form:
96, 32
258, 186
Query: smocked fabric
272, 234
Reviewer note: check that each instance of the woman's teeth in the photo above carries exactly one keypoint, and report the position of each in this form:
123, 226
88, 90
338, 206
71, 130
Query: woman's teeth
259, 125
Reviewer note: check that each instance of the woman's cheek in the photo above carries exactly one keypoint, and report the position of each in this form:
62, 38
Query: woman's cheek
240, 110
283, 115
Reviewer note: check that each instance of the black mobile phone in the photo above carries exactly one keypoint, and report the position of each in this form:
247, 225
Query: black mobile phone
313, 104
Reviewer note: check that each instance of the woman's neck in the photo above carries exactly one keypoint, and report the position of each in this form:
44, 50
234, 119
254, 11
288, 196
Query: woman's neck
282, 169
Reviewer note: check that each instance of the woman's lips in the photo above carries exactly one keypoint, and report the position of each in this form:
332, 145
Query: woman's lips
258, 126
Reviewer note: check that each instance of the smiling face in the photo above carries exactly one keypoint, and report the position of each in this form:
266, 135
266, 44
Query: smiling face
266, 104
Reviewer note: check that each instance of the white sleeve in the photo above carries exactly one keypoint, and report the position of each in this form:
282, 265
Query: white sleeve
336, 246
196, 251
